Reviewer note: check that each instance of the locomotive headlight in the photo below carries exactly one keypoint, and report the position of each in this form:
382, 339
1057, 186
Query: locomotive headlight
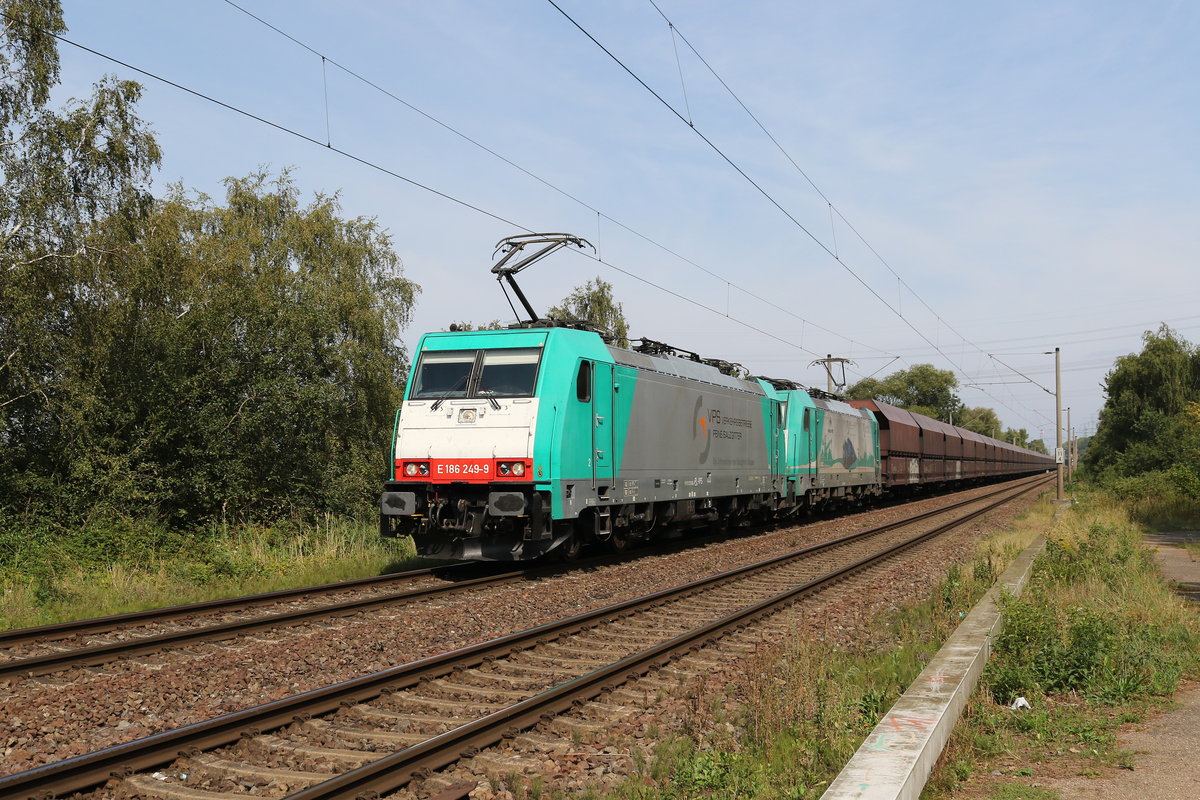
410, 469
503, 468
415, 468
467, 415
518, 468
424, 467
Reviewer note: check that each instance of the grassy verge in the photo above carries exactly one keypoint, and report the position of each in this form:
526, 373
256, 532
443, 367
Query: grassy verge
802, 709
128, 566
1097, 640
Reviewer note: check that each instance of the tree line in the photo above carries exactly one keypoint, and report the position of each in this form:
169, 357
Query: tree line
180, 356
1150, 423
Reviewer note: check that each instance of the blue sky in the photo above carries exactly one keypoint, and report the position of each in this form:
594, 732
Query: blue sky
1028, 170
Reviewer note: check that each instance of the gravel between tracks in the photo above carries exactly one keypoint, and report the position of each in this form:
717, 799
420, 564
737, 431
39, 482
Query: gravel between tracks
59, 716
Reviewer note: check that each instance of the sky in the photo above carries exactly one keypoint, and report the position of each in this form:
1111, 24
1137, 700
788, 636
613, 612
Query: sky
964, 184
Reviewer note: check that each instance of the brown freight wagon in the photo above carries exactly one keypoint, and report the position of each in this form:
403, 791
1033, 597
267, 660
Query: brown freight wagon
899, 442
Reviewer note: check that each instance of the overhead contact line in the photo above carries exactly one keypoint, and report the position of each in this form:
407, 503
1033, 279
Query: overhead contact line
550, 185
393, 174
830, 252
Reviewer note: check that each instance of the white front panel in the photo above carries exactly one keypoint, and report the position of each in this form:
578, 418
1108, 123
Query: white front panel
447, 432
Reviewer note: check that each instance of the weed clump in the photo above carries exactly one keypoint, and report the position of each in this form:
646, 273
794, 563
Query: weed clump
1095, 620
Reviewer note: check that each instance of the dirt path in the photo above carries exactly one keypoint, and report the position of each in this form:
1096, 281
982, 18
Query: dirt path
1165, 763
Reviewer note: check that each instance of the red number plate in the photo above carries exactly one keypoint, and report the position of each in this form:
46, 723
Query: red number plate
461, 469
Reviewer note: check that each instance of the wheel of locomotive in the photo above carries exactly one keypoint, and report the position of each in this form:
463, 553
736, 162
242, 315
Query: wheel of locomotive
619, 541
572, 548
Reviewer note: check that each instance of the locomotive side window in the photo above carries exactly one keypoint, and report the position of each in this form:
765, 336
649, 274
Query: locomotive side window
443, 374
583, 382
509, 373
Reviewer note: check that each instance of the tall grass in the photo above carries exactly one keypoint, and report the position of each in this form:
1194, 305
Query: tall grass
126, 566
1164, 500
1097, 620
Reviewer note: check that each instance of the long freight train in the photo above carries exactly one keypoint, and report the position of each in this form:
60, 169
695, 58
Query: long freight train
515, 443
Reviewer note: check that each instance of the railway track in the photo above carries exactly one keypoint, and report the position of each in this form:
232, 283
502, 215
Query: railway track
72, 644
376, 733
48, 649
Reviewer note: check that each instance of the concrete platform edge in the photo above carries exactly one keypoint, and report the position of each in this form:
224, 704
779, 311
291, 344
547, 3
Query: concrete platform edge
896, 759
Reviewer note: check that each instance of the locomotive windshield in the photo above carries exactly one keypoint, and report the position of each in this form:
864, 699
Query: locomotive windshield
444, 374
509, 373
449, 374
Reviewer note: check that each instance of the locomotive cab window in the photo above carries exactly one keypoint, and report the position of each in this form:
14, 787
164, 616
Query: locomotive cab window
508, 373
443, 374
583, 382
449, 374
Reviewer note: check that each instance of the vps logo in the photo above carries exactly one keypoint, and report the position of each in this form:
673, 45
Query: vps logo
700, 429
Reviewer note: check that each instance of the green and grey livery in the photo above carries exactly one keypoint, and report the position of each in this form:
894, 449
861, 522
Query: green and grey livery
514, 443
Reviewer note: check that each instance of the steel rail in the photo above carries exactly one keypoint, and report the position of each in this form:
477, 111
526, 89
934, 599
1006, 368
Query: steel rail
60, 630
100, 654
29, 666
91, 769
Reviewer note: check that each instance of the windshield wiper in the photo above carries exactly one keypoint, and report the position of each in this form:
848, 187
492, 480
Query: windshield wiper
438, 403
488, 394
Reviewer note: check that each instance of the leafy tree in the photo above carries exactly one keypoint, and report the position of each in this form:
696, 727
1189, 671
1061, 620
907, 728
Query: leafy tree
62, 172
1144, 415
593, 302
245, 356
178, 358
981, 420
1036, 445
1020, 437
922, 389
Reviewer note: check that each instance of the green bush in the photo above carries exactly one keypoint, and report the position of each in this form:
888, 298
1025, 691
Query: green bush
1165, 499
1109, 650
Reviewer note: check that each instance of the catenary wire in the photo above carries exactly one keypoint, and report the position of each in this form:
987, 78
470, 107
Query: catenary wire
548, 184
392, 173
771, 199
833, 209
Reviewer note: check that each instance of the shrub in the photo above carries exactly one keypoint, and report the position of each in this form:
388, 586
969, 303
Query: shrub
1096, 620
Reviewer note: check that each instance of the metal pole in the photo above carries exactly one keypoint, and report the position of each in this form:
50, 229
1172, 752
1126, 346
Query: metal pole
829, 372
1074, 450
1070, 439
1058, 451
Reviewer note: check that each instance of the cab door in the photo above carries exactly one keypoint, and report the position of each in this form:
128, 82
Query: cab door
812, 429
602, 424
